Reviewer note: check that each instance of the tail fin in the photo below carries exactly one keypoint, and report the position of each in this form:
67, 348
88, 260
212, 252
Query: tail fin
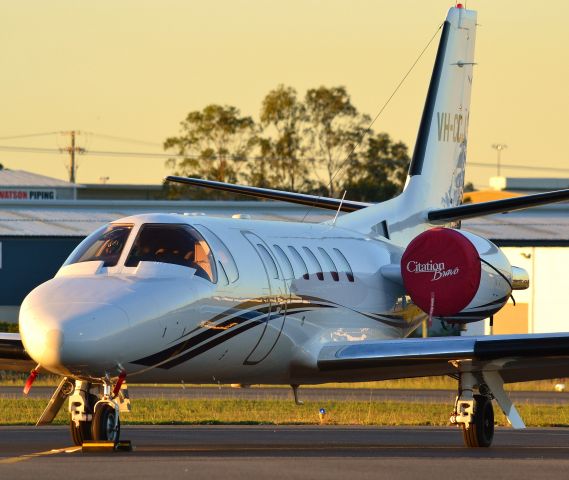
436, 173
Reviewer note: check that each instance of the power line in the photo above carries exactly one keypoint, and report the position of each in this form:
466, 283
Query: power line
98, 153
517, 167
125, 139
28, 135
102, 153
29, 149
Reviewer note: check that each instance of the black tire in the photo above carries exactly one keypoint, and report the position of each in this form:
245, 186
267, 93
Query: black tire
80, 433
103, 424
481, 431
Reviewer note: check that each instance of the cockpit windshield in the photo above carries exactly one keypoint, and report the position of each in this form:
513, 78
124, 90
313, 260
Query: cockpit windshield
106, 244
171, 243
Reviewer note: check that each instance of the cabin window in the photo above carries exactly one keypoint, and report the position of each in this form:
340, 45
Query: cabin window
344, 264
176, 244
289, 271
105, 244
222, 253
315, 263
268, 261
300, 262
330, 265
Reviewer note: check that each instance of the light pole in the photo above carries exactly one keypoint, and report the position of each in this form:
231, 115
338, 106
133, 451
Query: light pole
499, 147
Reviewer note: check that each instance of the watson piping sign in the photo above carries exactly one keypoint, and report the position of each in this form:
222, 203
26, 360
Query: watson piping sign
27, 194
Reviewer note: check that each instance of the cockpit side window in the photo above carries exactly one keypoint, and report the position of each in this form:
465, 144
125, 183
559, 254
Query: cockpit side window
106, 245
176, 244
222, 253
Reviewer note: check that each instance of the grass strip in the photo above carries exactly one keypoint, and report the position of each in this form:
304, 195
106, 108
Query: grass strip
279, 412
13, 379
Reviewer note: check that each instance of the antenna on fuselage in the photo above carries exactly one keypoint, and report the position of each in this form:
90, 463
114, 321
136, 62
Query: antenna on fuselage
339, 208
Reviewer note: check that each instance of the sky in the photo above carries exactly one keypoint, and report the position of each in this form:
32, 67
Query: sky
134, 69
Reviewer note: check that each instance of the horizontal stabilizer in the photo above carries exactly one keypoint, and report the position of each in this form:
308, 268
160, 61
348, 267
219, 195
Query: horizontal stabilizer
472, 210
301, 198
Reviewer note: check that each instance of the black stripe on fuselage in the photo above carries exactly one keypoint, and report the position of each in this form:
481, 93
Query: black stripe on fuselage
495, 302
390, 320
236, 321
209, 345
227, 335
204, 335
239, 311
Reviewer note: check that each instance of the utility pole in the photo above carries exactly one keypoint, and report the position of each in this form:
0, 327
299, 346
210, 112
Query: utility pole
73, 149
499, 147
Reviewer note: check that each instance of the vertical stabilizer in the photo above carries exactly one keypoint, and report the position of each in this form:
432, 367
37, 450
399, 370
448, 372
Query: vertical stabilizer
436, 173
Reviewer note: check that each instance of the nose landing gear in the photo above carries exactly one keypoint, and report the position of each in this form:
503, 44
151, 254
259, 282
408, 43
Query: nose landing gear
95, 411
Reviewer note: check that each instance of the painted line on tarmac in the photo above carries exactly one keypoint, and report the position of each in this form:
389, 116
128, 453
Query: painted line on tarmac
28, 456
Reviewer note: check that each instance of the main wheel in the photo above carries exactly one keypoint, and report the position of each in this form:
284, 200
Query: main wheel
481, 431
80, 433
104, 424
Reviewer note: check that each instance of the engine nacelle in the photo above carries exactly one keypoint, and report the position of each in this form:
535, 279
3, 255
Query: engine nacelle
456, 275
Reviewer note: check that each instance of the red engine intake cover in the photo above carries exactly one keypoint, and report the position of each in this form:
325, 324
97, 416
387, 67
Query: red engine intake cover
441, 270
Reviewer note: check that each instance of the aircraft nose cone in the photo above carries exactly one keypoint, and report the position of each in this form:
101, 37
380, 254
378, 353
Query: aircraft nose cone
44, 345
53, 341
73, 337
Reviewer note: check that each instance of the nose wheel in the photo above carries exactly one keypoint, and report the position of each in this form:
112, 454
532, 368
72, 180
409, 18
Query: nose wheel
106, 424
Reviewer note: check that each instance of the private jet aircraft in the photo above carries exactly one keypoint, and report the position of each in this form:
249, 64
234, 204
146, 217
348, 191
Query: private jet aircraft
173, 297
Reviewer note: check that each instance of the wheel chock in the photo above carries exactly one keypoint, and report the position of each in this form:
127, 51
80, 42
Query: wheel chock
124, 446
101, 446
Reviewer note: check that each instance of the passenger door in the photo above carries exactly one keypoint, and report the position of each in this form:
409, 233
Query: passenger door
274, 320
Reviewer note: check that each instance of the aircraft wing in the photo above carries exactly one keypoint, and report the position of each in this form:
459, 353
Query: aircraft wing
517, 358
13, 356
439, 216
291, 197
471, 210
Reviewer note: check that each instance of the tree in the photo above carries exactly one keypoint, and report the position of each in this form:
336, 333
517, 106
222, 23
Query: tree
334, 127
294, 142
216, 143
379, 172
282, 118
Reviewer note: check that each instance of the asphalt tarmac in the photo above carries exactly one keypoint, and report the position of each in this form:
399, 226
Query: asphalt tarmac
286, 452
306, 393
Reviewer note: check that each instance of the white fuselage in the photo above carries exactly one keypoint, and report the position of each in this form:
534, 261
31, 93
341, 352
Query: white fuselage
261, 318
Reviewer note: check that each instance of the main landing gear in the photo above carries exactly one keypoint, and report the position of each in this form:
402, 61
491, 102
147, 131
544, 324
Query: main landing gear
477, 420
474, 413
95, 411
